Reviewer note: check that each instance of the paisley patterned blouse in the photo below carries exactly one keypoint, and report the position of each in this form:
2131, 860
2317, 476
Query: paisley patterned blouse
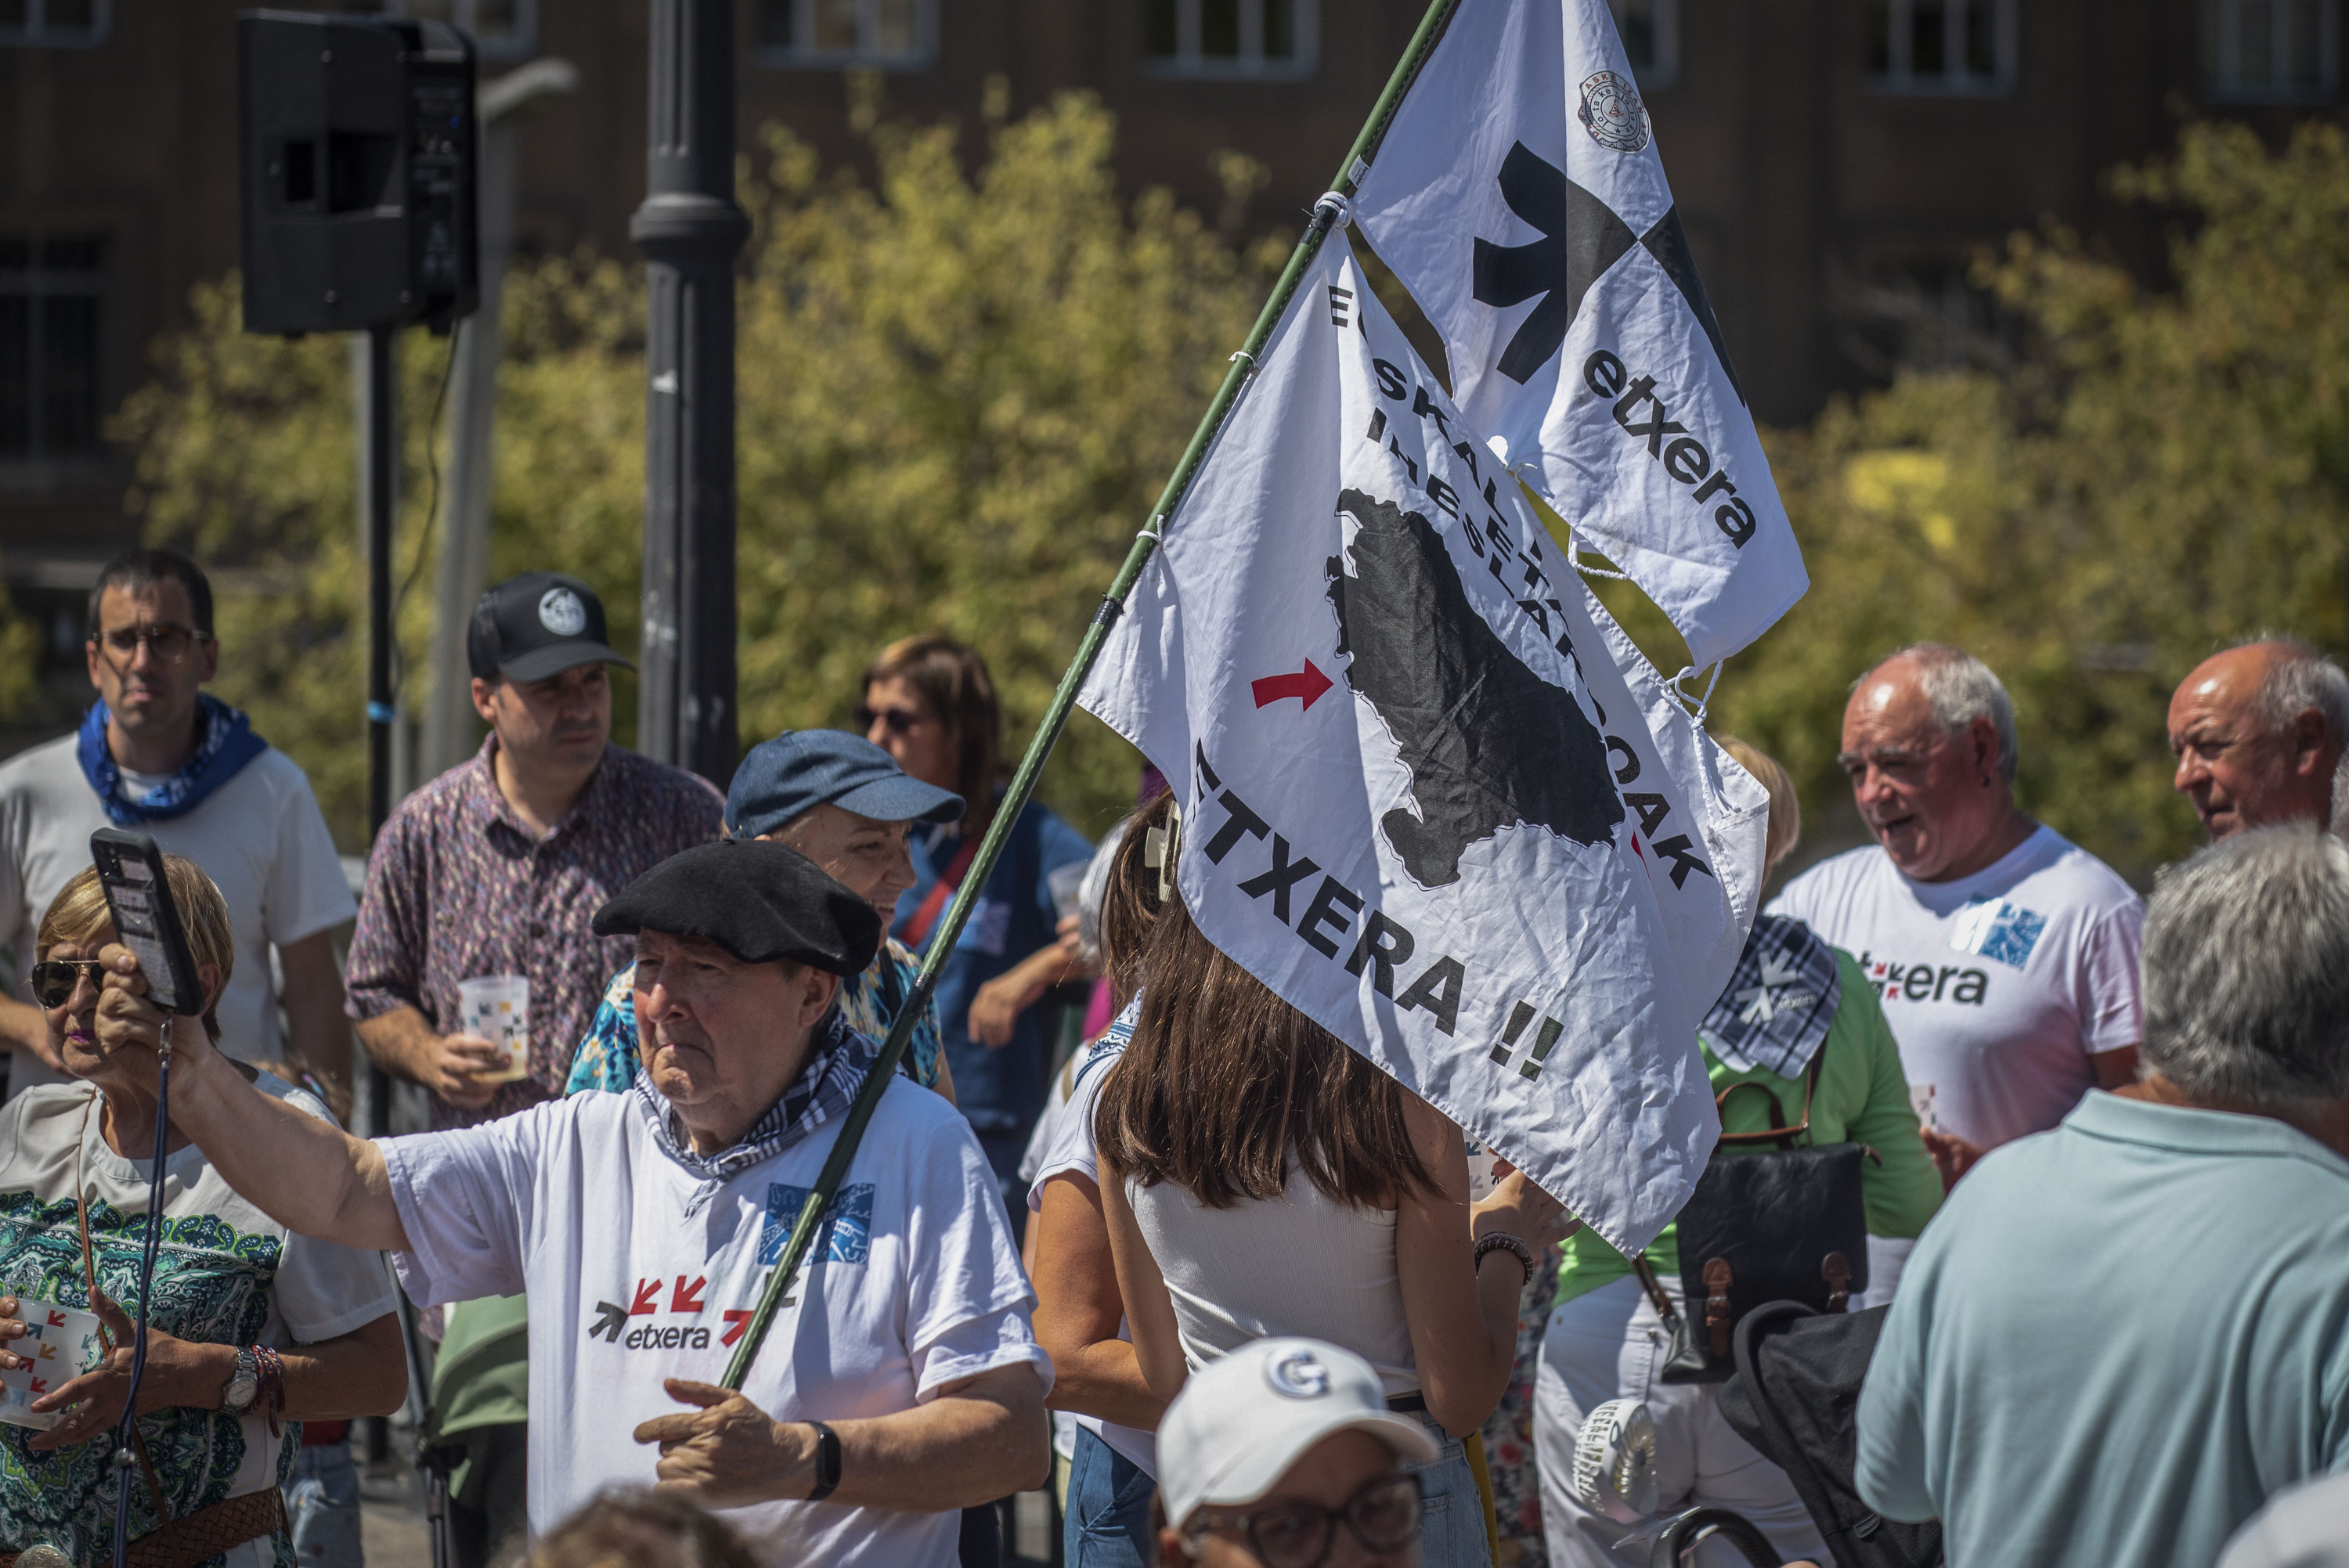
226, 1275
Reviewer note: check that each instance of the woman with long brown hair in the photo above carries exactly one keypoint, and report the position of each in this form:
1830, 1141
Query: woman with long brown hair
1259, 1178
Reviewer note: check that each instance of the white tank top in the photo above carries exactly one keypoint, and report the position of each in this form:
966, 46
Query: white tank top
1301, 1263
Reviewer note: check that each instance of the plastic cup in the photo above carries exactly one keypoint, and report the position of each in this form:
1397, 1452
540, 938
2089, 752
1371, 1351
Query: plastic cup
1067, 883
63, 1343
497, 1009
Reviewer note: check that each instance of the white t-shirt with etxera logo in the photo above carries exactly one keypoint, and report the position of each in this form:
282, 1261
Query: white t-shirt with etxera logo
1999, 986
639, 1268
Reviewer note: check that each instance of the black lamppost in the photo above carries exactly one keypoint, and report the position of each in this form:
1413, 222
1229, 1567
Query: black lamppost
690, 231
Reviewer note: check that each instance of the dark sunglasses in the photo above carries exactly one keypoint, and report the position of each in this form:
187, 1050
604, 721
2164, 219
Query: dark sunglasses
55, 981
900, 720
1384, 1516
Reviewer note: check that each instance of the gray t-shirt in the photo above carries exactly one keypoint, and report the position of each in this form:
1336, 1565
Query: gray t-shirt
259, 837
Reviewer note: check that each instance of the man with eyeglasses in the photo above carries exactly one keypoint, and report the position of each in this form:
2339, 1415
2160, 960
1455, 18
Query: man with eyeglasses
159, 755
1283, 1455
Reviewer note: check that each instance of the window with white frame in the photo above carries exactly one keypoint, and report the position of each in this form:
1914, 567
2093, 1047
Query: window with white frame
874, 35
55, 23
2272, 51
50, 288
1941, 46
1240, 39
500, 29
1650, 31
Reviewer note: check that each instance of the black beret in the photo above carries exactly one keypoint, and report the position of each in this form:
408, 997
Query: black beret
759, 901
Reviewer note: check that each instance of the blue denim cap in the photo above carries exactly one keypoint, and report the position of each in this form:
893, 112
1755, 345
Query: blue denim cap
803, 769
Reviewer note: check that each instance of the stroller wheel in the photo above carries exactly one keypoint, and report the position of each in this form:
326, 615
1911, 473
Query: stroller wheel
1615, 1462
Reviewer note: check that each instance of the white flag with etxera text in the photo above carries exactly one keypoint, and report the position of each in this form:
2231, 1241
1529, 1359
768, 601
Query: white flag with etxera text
1519, 196
1352, 657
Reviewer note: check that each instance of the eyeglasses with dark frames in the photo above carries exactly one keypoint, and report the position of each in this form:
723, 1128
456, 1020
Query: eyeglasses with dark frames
165, 645
1384, 1516
55, 980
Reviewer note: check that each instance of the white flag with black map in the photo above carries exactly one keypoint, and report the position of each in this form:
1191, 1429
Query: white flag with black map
1352, 658
1519, 196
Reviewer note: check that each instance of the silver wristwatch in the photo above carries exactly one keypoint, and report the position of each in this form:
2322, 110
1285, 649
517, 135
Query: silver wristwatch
243, 1385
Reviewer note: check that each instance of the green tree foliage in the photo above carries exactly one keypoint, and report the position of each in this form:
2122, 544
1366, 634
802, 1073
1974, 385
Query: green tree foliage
2159, 471
959, 392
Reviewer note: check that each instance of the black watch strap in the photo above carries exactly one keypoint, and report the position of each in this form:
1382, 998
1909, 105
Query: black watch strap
827, 1461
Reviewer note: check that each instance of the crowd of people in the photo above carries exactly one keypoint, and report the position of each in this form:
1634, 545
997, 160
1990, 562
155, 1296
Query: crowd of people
1229, 1289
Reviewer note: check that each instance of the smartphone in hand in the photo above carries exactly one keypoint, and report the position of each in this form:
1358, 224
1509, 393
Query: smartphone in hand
145, 920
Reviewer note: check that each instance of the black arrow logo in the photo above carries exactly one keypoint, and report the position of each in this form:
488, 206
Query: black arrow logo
609, 1323
1581, 238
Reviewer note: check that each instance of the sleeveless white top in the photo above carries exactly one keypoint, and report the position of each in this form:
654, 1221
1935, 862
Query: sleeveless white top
1301, 1264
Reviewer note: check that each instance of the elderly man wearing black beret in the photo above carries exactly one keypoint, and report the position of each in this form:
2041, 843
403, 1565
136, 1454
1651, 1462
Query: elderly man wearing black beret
900, 1379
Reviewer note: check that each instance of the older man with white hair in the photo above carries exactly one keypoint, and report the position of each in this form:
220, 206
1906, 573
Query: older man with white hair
2006, 956
2257, 731
2120, 1337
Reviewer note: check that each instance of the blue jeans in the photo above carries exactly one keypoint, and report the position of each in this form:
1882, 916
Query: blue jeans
1107, 1521
322, 1505
1452, 1535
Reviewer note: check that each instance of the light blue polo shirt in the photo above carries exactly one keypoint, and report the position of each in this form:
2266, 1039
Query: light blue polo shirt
2116, 1339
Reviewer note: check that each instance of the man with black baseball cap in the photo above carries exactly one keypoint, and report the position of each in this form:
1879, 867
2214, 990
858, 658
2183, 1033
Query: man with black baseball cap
846, 805
494, 867
900, 1381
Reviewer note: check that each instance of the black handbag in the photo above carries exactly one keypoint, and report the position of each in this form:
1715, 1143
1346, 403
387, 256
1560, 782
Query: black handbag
1782, 1224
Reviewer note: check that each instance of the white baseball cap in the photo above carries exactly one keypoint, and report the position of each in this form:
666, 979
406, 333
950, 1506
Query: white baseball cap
1240, 1422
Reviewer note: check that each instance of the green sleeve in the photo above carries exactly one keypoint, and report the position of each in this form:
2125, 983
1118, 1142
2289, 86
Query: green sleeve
1901, 1193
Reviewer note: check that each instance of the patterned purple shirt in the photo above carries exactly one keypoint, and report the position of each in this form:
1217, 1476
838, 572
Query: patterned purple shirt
457, 887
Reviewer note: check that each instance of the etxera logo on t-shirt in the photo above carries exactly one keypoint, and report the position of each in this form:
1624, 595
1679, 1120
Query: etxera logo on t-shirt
1925, 982
2001, 932
846, 1235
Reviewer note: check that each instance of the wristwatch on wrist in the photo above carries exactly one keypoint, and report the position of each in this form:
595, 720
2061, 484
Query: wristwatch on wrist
827, 1461
243, 1384
1497, 1241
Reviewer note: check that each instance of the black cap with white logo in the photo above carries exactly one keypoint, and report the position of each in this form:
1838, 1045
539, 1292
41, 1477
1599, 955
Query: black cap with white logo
535, 626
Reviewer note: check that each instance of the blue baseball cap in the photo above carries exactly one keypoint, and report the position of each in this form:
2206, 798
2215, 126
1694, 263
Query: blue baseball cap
803, 769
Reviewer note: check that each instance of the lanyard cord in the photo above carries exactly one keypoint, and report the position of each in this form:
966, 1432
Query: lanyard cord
126, 1431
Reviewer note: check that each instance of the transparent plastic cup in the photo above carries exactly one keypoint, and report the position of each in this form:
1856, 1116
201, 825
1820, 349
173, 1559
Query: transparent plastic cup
1067, 883
497, 1009
63, 1343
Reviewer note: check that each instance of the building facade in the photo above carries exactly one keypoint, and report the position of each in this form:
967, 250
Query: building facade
1837, 162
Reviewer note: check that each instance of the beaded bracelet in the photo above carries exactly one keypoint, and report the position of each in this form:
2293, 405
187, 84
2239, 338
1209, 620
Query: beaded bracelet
273, 1385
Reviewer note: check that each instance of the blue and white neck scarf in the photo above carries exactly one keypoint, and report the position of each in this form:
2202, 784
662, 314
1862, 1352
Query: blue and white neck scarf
229, 742
836, 1068
1778, 1004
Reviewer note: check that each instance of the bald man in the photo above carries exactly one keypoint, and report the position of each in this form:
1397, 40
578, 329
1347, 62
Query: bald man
2256, 731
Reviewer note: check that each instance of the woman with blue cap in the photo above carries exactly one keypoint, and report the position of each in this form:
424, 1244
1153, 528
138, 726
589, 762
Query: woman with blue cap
842, 802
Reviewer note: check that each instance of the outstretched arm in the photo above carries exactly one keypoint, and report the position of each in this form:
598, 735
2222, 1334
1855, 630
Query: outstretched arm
308, 1175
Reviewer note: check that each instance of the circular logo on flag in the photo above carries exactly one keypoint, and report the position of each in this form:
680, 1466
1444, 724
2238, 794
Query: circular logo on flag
1297, 1373
561, 613
1611, 111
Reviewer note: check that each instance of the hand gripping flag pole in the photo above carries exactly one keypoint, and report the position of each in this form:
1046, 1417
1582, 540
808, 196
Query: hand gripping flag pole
1328, 212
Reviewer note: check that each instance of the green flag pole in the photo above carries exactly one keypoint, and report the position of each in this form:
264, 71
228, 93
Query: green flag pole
1056, 716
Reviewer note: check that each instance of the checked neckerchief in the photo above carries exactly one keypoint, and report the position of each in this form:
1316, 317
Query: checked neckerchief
1778, 1004
826, 1086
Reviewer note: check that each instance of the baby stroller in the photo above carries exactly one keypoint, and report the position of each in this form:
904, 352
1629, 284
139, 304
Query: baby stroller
1795, 1397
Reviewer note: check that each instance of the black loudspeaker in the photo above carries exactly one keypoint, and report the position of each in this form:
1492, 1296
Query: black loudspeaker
357, 140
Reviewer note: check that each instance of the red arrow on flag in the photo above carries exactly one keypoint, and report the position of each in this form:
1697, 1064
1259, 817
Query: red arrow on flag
1307, 684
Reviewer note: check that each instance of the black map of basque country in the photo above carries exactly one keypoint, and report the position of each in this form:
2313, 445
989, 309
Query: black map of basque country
1489, 744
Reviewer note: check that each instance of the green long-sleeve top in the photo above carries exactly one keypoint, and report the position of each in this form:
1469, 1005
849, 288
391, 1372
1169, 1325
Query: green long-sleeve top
1862, 1098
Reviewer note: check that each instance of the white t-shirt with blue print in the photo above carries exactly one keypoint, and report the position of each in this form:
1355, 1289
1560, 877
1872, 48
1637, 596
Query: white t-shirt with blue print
640, 1267
1999, 986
